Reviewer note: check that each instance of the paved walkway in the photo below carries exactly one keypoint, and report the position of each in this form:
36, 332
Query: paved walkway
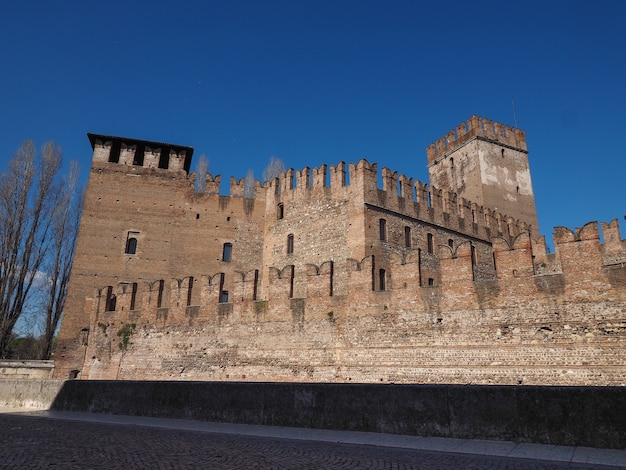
80, 440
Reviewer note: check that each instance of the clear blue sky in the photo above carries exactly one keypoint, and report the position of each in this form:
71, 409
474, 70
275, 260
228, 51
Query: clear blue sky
315, 82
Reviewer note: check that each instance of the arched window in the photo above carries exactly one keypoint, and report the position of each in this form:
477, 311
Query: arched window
280, 211
131, 243
382, 229
227, 252
431, 243
450, 243
290, 244
407, 237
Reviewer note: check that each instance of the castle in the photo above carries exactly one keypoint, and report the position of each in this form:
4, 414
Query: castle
322, 276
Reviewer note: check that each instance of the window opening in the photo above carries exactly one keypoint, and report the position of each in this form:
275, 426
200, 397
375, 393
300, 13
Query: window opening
131, 243
111, 300
256, 282
290, 244
160, 293
381, 279
450, 243
227, 252
431, 282
431, 243
189, 290
293, 270
407, 237
382, 228
419, 266
133, 296
280, 211
224, 297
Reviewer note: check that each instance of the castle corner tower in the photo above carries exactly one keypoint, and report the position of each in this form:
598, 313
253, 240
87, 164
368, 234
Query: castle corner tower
487, 163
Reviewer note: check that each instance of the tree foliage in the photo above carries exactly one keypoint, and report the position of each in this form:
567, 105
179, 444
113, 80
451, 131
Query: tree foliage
36, 216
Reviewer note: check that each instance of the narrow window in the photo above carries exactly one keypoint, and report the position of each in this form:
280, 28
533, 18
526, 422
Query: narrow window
431, 243
407, 237
382, 229
189, 290
450, 243
256, 282
452, 163
373, 272
290, 244
280, 212
160, 293
133, 296
431, 282
473, 255
419, 266
227, 252
332, 273
223, 293
109, 305
381, 279
131, 243
293, 272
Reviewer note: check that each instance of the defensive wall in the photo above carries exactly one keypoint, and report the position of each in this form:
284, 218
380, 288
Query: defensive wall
541, 319
570, 416
321, 275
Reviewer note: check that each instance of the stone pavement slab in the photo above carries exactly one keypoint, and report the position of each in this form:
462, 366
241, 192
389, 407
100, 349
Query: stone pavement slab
83, 440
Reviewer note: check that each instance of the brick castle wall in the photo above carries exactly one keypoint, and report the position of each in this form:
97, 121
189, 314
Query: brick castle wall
330, 278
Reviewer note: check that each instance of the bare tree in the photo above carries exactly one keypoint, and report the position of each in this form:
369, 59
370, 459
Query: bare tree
248, 185
27, 199
274, 169
202, 169
58, 263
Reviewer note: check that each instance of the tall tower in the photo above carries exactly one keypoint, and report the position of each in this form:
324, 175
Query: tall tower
487, 163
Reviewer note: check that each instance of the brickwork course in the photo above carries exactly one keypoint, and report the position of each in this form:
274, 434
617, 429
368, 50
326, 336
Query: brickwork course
323, 276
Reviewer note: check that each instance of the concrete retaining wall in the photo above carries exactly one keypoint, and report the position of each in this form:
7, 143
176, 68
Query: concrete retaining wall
573, 416
23, 393
16, 369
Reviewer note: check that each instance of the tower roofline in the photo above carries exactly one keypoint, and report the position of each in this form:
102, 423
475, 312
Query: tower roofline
179, 149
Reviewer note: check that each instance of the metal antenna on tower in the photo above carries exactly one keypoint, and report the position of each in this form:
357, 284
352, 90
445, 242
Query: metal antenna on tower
514, 116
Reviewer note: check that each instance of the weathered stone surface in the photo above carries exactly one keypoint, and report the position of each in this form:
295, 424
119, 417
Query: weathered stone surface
323, 276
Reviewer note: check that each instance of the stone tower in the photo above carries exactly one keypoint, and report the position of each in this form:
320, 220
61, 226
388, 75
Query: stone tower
487, 163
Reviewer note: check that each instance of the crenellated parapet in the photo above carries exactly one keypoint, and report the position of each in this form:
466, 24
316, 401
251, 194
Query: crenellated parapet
476, 127
140, 153
583, 275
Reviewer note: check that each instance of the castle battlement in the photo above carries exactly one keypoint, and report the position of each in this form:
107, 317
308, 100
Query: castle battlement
476, 127
140, 153
340, 273
517, 267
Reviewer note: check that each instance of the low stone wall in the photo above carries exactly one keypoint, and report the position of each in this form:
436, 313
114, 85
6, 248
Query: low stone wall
28, 393
572, 416
16, 369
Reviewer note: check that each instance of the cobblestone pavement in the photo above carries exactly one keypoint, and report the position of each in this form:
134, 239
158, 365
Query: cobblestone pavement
38, 442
